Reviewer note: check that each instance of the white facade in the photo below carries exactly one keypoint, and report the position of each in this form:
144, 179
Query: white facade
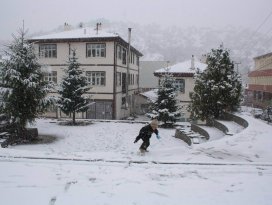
104, 60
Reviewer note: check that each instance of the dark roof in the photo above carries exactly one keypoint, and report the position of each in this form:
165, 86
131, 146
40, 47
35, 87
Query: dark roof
263, 56
260, 73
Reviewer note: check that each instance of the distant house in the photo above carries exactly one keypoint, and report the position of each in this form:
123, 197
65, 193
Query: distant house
148, 85
111, 69
259, 91
147, 79
184, 80
143, 101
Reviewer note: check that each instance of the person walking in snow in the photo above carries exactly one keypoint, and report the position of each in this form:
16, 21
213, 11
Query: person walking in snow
145, 134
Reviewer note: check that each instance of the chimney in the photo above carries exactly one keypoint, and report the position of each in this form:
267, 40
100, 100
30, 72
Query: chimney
66, 27
193, 62
203, 58
98, 27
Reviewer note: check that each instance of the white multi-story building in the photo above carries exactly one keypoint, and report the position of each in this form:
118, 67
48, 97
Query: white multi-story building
259, 91
109, 62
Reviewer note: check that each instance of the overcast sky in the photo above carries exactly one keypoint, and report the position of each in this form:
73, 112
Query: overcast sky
46, 15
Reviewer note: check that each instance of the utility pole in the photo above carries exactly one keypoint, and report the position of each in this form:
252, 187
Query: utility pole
128, 62
236, 63
98, 25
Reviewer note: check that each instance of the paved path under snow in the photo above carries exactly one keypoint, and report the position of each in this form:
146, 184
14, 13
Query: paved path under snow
49, 182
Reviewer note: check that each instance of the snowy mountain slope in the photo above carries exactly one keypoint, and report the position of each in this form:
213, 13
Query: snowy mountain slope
178, 43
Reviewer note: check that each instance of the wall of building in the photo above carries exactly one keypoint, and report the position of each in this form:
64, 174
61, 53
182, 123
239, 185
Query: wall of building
259, 92
263, 62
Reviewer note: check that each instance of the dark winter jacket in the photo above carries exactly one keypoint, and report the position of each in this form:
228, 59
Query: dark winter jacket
145, 133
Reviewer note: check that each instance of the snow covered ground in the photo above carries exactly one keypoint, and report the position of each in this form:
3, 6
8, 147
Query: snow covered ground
100, 164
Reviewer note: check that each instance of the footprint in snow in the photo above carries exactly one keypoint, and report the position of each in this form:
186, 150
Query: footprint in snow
68, 184
52, 200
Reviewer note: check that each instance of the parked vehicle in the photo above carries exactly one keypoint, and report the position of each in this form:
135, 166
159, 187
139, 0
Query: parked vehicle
267, 114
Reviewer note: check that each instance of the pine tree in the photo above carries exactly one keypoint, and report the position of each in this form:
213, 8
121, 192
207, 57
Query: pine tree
218, 88
165, 108
72, 89
23, 90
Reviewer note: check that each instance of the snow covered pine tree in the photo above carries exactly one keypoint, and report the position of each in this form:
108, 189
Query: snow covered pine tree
218, 88
165, 108
72, 89
23, 90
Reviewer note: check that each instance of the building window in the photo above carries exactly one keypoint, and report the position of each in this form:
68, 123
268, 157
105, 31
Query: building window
124, 82
118, 79
180, 85
124, 102
124, 56
96, 78
50, 77
48, 50
132, 58
119, 52
131, 79
96, 50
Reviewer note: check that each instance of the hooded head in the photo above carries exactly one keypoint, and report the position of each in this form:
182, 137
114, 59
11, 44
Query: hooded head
154, 124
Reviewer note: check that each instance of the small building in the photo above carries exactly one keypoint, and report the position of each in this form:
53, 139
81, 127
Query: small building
184, 80
147, 79
143, 101
259, 91
110, 64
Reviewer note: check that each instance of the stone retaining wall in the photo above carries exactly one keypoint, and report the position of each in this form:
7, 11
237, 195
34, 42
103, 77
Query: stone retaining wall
235, 118
200, 130
180, 135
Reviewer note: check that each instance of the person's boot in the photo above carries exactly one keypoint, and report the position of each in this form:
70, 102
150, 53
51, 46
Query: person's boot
142, 150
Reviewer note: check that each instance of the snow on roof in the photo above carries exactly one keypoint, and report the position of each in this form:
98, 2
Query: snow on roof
151, 95
77, 33
184, 67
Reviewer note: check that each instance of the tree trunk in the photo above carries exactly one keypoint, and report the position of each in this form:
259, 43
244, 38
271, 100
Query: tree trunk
74, 118
32, 133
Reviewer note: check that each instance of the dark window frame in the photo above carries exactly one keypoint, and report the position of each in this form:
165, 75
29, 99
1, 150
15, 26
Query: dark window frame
48, 50
96, 50
96, 80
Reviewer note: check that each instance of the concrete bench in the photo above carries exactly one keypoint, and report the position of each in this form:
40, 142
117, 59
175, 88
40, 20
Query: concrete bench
194, 135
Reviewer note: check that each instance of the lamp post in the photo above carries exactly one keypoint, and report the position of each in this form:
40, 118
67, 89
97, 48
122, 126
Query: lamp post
237, 63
